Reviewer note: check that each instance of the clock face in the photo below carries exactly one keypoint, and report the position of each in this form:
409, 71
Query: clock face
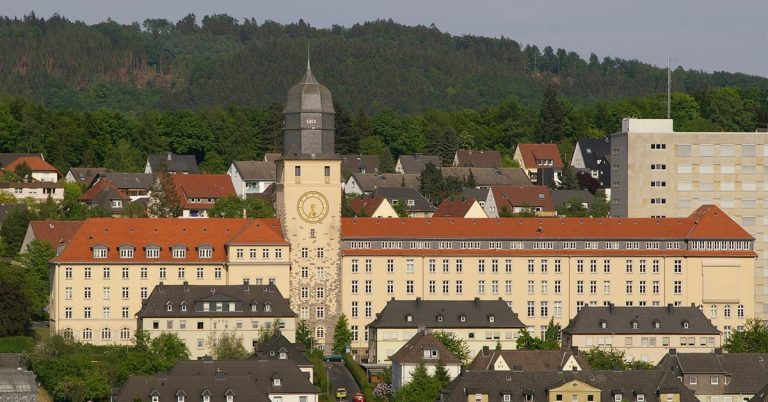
312, 207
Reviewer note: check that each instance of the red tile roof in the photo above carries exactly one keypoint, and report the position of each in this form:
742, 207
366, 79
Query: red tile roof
453, 209
533, 152
707, 222
165, 233
36, 163
518, 196
55, 232
203, 186
100, 186
367, 205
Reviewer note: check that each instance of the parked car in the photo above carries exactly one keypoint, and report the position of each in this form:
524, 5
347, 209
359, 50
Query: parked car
341, 393
333, 358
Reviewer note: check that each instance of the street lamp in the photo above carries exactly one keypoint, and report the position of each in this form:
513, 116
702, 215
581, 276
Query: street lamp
328, 380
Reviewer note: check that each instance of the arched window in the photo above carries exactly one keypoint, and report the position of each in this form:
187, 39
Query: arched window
320, 332
106, 333
87, 334
740, 311
125, 333
67, 333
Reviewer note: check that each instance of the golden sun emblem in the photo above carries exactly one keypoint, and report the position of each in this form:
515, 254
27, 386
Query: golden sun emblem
312, 207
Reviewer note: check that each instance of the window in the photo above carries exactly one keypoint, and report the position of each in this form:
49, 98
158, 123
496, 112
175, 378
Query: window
460, 286
100, 252
87, 272
320, 252
320, 312
369, 286
205, 252
143, 293
179, 252
106, 293
658, 166
87, 293
304, 252
409, 265
354, 266
740, 311
432, 287
409, 287
431, 266
68, 273
86, 312
727, 311
678, 266
368, 309
714, 380
531, 309
580, 287
327, 171
181, 273
558, 286
368, 266
481, 287
678, 287
297, 171
68, 312
354, 286
87, 334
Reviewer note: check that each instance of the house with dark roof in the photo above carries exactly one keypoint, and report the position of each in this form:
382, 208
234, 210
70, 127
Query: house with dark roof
372, 207
221, 381
718, 376
359, 164
554, 386
593, 156
414, 164
504, 200
197, 312
535, 158
415, 204
199, 192
105, 196
480, 322
171, 163
422, 348
84, 176
252, 177
367, 183
481, 159
134, 185
642, 333
761, 396
278, 347
565, 197
467, 208
479, 194
57, 233
17, 384
530, 360
487, 177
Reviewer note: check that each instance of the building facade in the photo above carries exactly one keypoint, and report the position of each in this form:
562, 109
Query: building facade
657, 172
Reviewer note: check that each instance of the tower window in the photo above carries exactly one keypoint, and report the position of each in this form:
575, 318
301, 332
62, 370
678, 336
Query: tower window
327, 171
297, 171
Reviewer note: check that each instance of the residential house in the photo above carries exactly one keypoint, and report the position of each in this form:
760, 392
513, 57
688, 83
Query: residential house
38, 191
642, 332
278, 347
718, 376
7, 157
761, 396
107, 197
414, 164
537, 158
553, 386
467, 208
416, 204
17, 384
198, 312
593, 156
41, 170
422, 348
367, 183
562, 360
479, 322
84, 176
479, 194
372, 207
481, 159
272, 156
199, 192
564, 197
250, 177
221, 381
171, 163
134, 185
487, 177
57, 233
505, 200
359, 164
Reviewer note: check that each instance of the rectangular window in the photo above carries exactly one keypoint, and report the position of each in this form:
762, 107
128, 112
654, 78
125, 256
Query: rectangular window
409, 287
432, 287
432, 266
459, 286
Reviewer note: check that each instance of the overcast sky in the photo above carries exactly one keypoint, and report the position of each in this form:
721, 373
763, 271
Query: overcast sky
698, 34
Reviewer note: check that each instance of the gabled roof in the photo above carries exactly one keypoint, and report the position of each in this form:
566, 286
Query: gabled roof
245, 295
413, 351
360, 163
165, 233
293, 380
277, 343
649, 320
272, 156
563, 196
593, 150
7, 157
129, 181
202, 186
533, 152
57, 233
528, 360
366, 205
103, 190
395, 194
368, 182
439, 314
485, 177
36, 163
479, 194
748, 371
85, 175
256, 170
165, 387
453, 209
173, 163
518, 196
414, 164
483, 159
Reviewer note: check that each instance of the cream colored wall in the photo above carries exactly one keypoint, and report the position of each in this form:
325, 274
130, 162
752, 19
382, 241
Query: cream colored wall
574, 387
632, 191
476, 211
327, 235
385, 210
214, 327
35, 193
651, 354
735, 280
97, 283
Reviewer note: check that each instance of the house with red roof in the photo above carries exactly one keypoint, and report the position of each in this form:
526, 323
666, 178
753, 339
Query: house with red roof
57, 233
42, 171
372, 207
519, 199
468, 208
540, 158
199, 192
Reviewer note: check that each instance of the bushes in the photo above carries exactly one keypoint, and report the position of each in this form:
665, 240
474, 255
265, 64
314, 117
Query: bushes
360, 377
320, 375
16, 344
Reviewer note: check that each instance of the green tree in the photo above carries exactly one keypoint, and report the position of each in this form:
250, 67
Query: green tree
752, 339
422, 387
304, 335
124, 157
441, 375
23, 172
213, 163
605, 359
342, 336
400, 208
269, 331
526, 341
431, 183
374, 145
573, 208
728, 110
552, 125
35, 263
14, 229
599, 207
456, 345
227, 346
15, 304
236, 207
7, 198
551, 336
568, 180
347, 139
164, 201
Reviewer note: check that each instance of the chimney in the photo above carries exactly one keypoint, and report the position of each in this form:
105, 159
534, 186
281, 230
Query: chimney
186, 286
672, 352
718, 351
610, 308
170, 156
246, 285
219, 374
418, 302
575, 350
486, 351
477, 301
669, 308
160, 288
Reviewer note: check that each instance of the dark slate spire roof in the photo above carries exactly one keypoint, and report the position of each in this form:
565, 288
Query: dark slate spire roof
309, 121
309, 95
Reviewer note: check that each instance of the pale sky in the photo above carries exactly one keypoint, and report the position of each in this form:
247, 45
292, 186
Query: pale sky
710, 35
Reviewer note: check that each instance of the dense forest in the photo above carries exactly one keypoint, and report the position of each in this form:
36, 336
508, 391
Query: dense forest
219, 60
109, 94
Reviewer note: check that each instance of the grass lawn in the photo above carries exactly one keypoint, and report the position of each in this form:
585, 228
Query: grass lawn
18, 344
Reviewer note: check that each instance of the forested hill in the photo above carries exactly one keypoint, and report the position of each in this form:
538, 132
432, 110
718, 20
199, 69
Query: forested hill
219, 60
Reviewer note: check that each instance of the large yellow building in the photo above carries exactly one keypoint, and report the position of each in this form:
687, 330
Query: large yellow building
544, 268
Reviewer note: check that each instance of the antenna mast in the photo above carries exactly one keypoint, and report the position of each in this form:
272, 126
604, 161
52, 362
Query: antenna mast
669, 89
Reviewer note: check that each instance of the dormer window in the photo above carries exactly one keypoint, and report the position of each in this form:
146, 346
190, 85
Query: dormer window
640, 397
99, 252
254, 307
439, 318
491, 319
205, 252
126, 251
603, 324
463, 318
155, 398
617, 397
169, 306
634, 324
206, 395
276, 382
267, 307
179, 251
183, 306
685, 324
180, 396
408, 318
230, 398
283, 356
152, 252
656, 324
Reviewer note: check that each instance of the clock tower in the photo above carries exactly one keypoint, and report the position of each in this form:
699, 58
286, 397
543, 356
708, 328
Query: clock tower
308, 204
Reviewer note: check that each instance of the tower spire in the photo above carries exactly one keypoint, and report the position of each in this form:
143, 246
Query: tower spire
308, 54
